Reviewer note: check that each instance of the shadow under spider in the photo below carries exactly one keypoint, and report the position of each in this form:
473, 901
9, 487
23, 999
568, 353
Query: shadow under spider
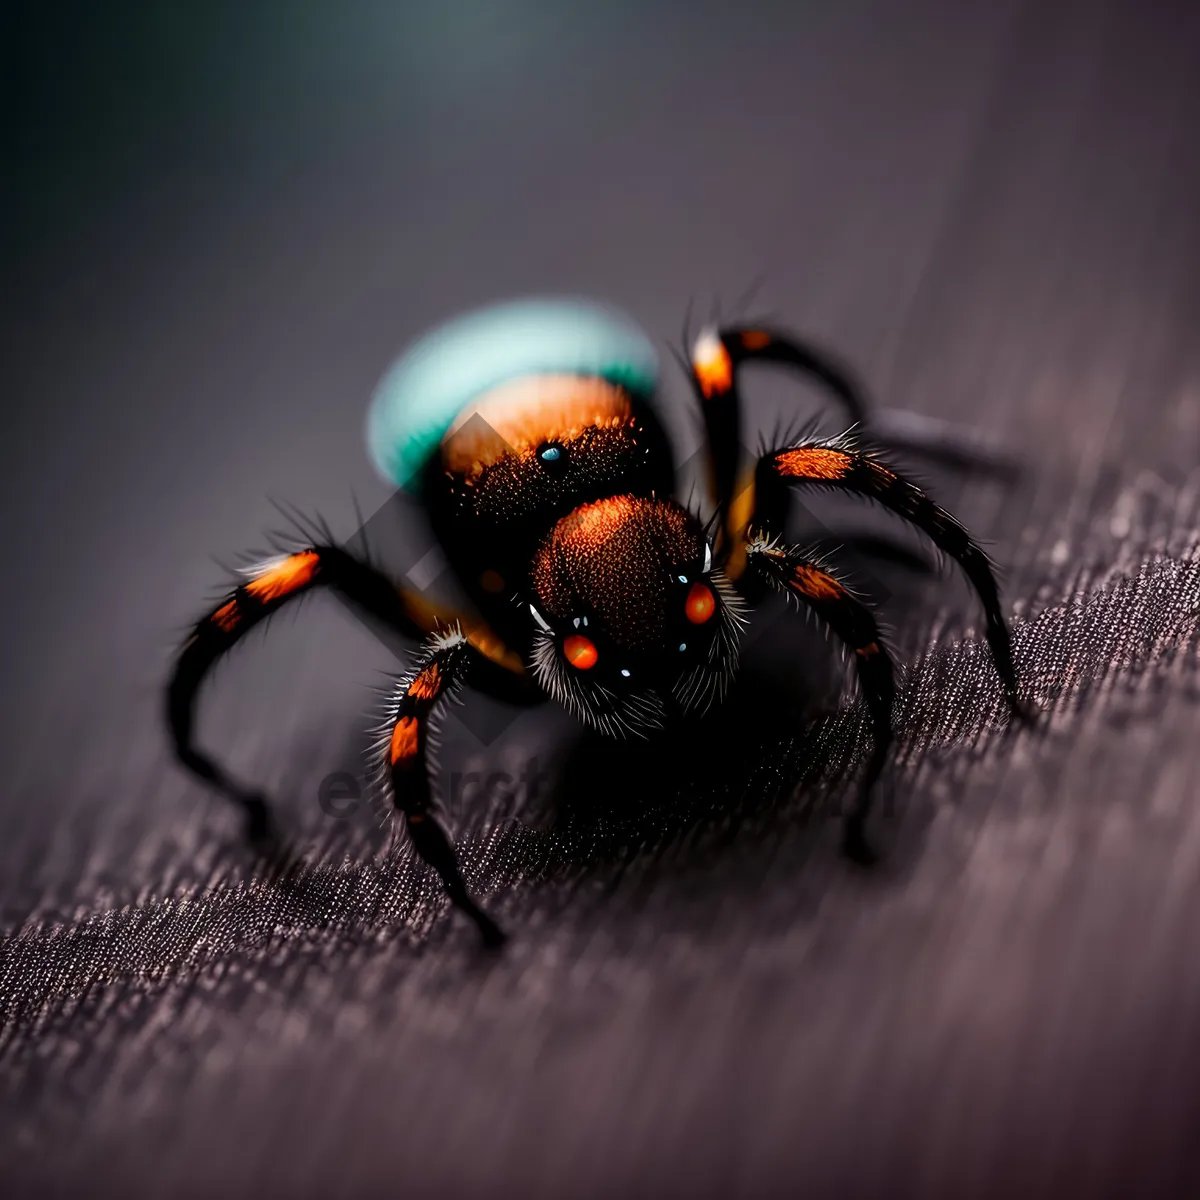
780, 751
766, 753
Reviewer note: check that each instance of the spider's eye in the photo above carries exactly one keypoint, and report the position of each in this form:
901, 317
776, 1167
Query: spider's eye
700, 604
580, 652
552, 454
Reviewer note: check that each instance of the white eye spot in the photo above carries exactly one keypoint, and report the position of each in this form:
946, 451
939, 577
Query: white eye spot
682, 647
575, 622
707, 557
537, 616
682, 578
625, 672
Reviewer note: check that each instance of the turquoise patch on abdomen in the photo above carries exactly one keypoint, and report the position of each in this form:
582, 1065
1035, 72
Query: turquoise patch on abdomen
427, 387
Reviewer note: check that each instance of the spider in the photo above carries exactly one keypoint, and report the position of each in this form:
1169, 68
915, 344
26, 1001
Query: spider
530, 433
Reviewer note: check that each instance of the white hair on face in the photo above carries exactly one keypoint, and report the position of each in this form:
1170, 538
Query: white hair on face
636, 713
706, 683
631, 715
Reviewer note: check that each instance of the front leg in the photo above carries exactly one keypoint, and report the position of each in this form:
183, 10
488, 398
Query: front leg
836, 463
264, 591
440, 672
716, 359
791, 570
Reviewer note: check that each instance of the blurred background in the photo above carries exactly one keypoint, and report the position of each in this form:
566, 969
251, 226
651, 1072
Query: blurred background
221, 223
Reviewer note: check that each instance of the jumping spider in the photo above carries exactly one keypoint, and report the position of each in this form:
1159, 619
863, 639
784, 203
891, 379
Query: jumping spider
531, 435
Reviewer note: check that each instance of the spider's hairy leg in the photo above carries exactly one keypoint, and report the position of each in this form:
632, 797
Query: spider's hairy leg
715, 358
718, 353
810, 582
441, 670
836, 464
264, 591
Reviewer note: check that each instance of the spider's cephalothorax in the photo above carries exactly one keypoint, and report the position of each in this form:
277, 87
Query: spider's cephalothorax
531, 434
632, 620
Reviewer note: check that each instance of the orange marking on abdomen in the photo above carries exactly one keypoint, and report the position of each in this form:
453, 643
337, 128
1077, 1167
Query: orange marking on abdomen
227, 616
817, 584
814, 462
289, 576
427, 684
869, 650
404, 740
518, 416
755, 339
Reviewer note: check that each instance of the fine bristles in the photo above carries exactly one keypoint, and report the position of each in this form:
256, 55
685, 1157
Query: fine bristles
706, 683
630, 715
389, 711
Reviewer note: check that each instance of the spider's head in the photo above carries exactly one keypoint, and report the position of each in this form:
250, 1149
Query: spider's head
632, 619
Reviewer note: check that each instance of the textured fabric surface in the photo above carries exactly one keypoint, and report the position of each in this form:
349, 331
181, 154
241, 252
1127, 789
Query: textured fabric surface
991, 212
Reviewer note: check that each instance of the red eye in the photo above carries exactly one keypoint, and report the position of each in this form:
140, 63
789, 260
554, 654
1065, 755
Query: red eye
700, 604
580, 652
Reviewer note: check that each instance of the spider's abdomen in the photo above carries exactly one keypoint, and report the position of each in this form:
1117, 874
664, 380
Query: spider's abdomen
536, 448
433, 385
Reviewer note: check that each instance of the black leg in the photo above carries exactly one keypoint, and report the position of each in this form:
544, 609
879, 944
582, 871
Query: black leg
793, 571
837, 464
953, 446
715, 358
263, 593
441, 670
